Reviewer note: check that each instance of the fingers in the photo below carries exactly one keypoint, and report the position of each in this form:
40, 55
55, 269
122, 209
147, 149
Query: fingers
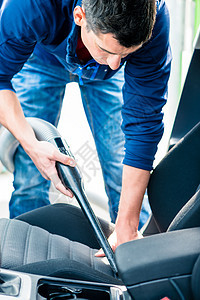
59, 186
45, 157
44, 175
63, 158
100, 253
67, 160
114, 242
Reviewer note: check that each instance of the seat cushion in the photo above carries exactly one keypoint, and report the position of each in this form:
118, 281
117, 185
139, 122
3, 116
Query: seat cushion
68, 221
27, 248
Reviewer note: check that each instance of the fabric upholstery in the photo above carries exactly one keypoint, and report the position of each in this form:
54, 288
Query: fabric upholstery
26, 245
68, 221
176, 179
188, 216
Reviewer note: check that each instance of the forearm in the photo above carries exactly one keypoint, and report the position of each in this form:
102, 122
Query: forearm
134, 184
12, 117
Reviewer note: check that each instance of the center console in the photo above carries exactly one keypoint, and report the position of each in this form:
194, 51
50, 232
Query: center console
23, 286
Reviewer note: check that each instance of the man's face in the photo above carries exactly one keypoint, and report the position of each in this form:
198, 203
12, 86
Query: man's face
104, 48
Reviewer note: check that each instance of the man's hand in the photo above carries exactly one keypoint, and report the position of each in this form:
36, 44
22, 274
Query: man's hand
116, 239
134, 183
44, 155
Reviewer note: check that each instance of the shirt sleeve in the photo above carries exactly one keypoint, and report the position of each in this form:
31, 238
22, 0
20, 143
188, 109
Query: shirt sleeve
22, 25
145, 93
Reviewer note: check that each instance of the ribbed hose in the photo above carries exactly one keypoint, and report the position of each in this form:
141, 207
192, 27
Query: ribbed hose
44, 131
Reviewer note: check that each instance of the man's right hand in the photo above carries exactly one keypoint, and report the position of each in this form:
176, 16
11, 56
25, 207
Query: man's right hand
44, 155
118, 238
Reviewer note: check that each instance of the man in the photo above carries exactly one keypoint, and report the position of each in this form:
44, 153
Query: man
92, 41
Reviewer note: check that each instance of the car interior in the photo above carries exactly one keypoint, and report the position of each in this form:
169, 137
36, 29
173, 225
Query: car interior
165, 264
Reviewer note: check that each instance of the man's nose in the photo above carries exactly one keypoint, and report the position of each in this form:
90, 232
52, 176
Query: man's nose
114, 61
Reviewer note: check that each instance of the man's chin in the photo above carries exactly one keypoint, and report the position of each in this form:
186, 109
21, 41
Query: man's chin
101, 62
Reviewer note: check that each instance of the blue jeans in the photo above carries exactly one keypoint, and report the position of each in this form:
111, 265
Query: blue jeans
40, 89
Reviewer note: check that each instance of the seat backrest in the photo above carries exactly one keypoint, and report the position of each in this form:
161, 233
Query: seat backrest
188, 112
176, 179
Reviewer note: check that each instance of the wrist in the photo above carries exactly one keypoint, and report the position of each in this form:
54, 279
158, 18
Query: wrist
28, 139
126, 231
29, 145
129, 211
130, 221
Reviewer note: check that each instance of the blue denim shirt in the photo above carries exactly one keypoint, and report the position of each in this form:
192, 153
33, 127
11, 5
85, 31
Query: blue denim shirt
47, 27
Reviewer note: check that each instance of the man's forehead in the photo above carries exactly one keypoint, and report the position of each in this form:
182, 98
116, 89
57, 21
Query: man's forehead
125, 51
108, 43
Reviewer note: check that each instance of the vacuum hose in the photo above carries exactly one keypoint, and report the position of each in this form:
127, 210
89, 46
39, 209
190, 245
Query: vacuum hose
70, 176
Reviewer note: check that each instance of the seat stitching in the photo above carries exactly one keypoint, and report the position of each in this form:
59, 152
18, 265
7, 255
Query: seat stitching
91, 260
182, 216
27, 245
49, 246
70, 250
4, 235
186, 212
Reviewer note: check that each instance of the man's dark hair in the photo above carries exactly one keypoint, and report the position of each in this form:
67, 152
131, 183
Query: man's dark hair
130, 21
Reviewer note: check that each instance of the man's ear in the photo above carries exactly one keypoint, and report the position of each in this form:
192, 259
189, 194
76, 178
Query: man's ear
79, 15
